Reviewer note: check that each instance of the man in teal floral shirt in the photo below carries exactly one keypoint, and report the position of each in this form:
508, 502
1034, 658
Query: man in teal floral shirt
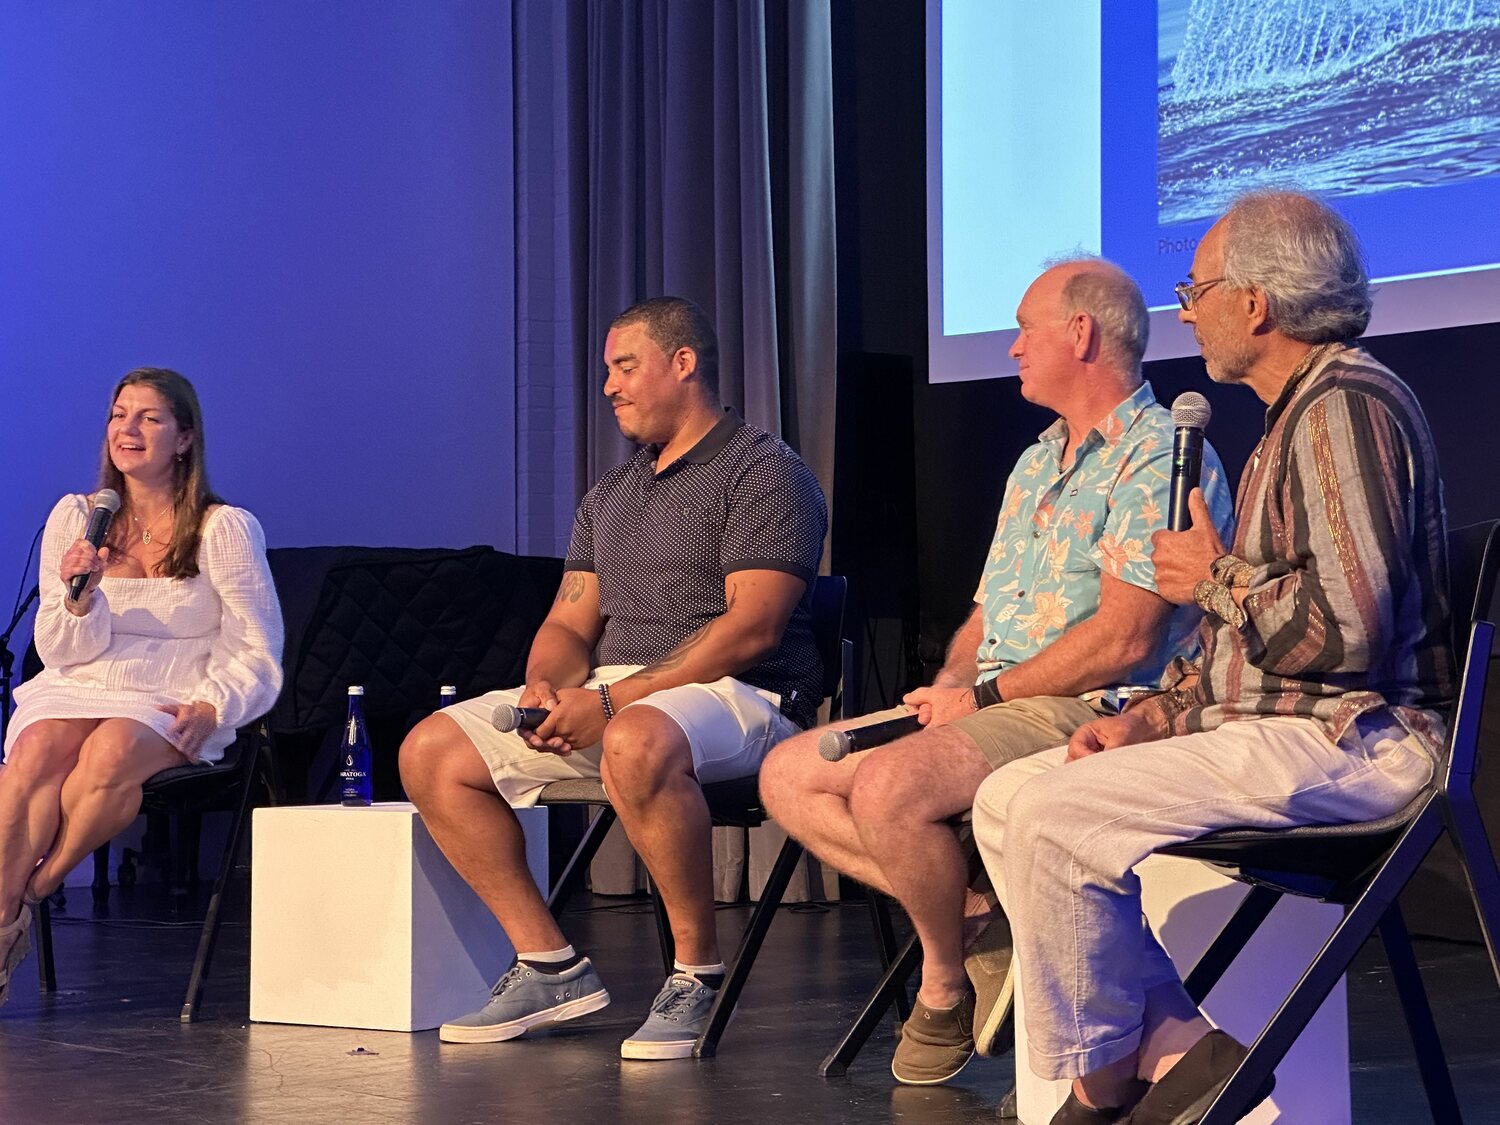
1059, 527
1066, 611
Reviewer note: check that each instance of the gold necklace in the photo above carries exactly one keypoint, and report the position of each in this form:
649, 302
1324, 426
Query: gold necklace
146, 531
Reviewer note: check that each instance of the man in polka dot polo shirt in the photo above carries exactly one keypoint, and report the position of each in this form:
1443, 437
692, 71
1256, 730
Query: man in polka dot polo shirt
1066, 611
678, 651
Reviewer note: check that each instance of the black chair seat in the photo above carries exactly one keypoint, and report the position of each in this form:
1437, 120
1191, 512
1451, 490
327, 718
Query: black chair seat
1332, 862
190, 786
733, 804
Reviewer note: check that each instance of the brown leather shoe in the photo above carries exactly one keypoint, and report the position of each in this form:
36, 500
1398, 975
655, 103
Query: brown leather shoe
1186, 1091
1074, 1112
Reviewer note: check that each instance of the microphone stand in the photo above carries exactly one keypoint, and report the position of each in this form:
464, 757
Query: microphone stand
8, 660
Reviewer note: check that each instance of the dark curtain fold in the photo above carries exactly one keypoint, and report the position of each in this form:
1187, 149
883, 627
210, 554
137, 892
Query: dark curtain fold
669, 147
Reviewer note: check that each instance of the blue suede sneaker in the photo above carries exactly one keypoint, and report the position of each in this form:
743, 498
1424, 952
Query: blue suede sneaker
526, 998
678, 1016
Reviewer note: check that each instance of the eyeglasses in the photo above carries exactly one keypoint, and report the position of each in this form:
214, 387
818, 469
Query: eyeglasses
1188, 291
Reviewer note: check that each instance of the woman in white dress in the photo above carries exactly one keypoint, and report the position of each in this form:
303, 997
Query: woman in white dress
174, 643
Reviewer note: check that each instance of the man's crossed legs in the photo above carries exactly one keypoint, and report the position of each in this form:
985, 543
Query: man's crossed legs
1060, 840
883, 817
465, 777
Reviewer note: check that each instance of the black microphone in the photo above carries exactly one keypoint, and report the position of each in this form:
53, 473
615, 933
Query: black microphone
836, 745
507, 718
1190, 414
106, 504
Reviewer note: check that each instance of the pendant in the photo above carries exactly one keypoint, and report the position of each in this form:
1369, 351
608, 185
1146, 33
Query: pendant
146, 537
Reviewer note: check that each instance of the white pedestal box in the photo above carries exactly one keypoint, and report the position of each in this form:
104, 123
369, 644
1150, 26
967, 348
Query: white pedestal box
357, 919
1187, 903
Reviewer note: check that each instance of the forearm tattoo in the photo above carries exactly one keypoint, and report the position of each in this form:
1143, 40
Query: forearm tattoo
571, 589
679, 655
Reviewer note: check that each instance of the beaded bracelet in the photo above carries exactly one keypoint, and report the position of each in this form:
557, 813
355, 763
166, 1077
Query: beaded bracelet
609, 706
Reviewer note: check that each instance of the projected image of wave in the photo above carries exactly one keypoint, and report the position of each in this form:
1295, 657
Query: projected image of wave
1332, 96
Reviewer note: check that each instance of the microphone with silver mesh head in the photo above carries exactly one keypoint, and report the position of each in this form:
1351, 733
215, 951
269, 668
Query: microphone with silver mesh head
106, 504
1190, 414
507, 718
836, 745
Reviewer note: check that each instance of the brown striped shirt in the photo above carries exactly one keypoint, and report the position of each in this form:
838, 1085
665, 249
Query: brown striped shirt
1340, 516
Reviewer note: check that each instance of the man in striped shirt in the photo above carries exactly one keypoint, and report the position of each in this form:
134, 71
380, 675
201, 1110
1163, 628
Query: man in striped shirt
1326, 671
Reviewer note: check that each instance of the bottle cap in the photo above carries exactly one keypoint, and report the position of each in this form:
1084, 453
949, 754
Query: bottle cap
448, 689
355, 689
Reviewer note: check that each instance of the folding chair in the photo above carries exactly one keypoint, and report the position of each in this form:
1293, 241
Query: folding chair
730, 803
228, 783
1365, 866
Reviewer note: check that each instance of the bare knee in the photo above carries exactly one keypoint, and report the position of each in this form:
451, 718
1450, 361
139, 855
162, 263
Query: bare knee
44, 753
436, 754
789, 772
644, 751
110, 759
888, 789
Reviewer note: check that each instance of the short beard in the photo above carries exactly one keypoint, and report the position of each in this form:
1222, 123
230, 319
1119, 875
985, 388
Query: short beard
1233, 367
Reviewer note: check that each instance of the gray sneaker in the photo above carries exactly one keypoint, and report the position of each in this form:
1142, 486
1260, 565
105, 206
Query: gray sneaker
678, 1016
525, 998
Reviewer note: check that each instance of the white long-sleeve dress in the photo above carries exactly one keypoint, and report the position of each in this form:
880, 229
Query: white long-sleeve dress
215, 637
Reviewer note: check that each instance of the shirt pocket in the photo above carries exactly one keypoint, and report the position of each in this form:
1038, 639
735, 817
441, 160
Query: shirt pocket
1079, 525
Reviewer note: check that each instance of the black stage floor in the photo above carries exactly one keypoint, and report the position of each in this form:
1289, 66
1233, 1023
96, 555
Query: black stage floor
108, 1047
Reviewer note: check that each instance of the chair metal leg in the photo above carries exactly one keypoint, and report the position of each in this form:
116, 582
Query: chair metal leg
880, 921
1332, 961
46, 966
885, 944
99, 887
1240, 928
1007, 1109
270, 770
750, 942
210, 935
875, 1007
1478, 861
1431, 1062
573, 874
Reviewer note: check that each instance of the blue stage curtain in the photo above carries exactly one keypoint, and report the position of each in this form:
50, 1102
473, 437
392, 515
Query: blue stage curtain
669, 146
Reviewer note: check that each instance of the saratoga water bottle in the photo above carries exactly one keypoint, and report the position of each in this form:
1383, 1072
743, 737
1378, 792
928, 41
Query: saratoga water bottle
356, 751
447, 696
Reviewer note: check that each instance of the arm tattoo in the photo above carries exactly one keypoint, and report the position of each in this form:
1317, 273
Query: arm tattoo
571, 589
678, 656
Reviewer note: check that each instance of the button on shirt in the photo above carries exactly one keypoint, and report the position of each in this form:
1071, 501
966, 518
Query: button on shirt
1059, 528
661, 544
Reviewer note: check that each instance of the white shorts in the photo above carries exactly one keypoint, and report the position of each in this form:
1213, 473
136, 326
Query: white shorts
730, 727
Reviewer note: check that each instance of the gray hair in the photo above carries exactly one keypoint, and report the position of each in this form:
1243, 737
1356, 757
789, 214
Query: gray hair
1112, 298
1306, 259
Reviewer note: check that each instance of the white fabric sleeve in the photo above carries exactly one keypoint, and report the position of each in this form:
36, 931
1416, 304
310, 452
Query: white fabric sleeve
243, 676
63, 638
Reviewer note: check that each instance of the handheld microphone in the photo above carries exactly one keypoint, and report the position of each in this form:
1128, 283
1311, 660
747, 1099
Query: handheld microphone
1190, 413
106, 504
508, 718
836, 745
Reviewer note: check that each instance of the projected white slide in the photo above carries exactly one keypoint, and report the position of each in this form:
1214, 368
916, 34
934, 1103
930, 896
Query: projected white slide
1124, 128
